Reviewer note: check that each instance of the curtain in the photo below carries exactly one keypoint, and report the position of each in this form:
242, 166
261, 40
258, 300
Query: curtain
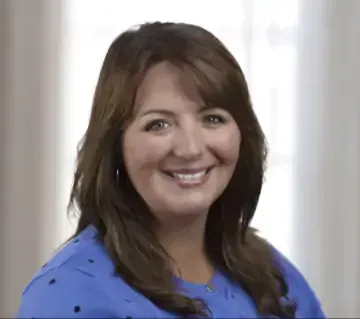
326, 205
30, 50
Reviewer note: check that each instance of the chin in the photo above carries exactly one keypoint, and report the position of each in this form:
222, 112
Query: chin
190, 208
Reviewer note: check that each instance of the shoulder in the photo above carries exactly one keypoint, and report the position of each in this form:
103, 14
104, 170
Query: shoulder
79, 282
63, 293
308, 305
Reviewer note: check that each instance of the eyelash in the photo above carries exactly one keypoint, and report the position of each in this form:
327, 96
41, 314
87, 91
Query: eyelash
158, 125
153, 125
220, 119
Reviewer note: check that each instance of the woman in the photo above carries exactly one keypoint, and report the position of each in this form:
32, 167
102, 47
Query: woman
168, 179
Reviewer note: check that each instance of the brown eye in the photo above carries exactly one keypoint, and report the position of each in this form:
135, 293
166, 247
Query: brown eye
214, 119
156, 125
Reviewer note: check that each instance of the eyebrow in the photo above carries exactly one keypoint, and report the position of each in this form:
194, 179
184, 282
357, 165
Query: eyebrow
171, 113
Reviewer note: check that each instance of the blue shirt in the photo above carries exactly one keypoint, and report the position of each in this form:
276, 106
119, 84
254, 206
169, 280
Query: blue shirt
79, 282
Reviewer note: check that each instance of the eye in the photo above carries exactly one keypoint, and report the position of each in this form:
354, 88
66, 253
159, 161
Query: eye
214, 120
156, 125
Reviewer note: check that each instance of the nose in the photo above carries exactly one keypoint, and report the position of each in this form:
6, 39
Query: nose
188, 144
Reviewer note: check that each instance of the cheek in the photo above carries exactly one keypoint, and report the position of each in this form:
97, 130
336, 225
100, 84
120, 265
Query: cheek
226, 144
143, 152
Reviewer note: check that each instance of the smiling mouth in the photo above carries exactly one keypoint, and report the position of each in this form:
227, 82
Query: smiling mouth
189, 178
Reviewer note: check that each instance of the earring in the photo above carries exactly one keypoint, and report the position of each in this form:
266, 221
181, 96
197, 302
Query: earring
117, 176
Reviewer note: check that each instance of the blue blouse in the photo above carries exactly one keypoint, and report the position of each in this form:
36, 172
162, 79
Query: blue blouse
78, 282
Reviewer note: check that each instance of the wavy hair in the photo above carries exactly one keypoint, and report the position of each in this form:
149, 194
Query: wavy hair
104, 196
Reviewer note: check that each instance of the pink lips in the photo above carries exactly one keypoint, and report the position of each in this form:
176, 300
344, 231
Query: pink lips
189, 170
188, 178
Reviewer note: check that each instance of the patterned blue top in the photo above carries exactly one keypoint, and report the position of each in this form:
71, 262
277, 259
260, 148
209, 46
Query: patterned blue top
78, 282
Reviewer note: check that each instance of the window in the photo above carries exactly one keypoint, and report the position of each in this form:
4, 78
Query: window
260, 34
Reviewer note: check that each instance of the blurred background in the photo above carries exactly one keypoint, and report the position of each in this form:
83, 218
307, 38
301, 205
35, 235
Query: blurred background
302, 62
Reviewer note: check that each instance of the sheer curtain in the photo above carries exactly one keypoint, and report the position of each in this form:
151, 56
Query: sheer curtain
30, 102
327, 148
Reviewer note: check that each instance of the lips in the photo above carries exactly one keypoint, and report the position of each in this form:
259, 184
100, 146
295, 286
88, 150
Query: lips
189, 176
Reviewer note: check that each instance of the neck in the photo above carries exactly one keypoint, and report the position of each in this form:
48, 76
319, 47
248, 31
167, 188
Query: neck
184, 242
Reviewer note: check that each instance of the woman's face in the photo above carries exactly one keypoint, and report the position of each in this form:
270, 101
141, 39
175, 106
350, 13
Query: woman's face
179, 155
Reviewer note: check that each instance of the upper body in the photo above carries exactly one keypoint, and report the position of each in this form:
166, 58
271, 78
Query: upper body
79, 282
169, 173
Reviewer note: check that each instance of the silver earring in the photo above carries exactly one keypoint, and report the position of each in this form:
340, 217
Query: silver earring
117, 177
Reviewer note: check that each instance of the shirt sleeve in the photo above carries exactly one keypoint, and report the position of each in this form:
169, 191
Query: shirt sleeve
62, 293
308, 304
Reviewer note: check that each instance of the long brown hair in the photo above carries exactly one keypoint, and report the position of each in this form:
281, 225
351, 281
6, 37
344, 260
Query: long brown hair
105, 197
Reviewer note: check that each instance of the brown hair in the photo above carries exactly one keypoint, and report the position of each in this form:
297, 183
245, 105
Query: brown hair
105, 197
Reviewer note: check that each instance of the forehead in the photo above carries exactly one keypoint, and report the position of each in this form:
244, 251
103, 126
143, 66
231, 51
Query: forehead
165, 82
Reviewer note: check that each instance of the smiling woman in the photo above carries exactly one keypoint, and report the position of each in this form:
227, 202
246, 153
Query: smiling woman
167, 182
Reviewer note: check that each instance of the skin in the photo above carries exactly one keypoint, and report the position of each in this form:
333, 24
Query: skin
173, 132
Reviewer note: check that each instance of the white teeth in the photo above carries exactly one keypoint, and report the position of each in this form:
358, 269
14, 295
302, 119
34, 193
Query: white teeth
190, 177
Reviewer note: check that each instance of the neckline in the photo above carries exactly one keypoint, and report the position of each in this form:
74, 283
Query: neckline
215, 285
